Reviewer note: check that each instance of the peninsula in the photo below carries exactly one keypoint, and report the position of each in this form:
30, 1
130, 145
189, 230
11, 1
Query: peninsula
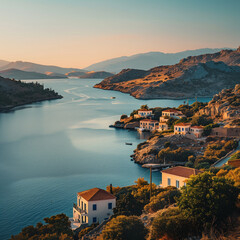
201, 76
16, 93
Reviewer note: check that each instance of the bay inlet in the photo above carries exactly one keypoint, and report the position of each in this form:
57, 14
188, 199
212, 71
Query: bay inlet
51, 150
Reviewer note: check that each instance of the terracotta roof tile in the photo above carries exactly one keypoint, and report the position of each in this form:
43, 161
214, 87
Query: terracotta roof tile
197, 127
144, 110
182, 171
172, 110
148, 120
183, 124
96, 194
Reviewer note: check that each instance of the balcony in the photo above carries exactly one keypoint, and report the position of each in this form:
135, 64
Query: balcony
81, 211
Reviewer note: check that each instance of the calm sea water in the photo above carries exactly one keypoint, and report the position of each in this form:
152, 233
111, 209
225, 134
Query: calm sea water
51, 150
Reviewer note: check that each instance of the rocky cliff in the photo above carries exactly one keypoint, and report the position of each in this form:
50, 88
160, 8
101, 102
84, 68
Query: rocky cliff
225, 105
186, 79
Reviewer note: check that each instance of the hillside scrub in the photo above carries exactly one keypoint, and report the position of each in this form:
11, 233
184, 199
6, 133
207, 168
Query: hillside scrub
124, 228
208, 200
162, 200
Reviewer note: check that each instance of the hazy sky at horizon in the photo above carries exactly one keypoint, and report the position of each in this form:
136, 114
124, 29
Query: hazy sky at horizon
77, 33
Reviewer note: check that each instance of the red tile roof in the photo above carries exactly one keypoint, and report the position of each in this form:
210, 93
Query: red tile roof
144, 110
183, 124
197, 127
148, 120
96, 194
182, 171
172, 110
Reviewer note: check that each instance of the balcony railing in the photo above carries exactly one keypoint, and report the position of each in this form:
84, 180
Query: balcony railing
79, 209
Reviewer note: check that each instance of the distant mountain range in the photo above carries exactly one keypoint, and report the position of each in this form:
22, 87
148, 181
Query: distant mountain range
24, 75
3, 63
201, 76
97, 75
148, 60
34, 67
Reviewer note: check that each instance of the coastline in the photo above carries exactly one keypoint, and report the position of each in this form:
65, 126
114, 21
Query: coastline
10, 108
152, 98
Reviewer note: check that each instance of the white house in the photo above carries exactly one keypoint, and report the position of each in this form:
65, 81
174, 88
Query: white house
182, 128
177, 176
145, 113
197, 131
163, 126
188, 130
93, 206
149, 124
171, 113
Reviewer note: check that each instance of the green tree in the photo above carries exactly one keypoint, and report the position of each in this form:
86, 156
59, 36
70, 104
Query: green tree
171, 225
162, 200
124, 228
234, 175
144, 107
201, 120
207, 199
128, 205
124, 116
56, 227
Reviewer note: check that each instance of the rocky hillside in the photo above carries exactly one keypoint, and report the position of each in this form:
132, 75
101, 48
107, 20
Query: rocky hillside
179, 81
230, 57
225, 106
15, 93
24, 75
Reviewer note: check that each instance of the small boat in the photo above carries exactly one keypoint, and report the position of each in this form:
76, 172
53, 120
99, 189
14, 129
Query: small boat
113, 97
128, 143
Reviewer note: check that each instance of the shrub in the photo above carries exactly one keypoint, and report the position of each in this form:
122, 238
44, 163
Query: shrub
128, 205
171, 224
124, 228
207, 199
162, 200
234, 175
201, 121
56, 227
124, 116
180, 154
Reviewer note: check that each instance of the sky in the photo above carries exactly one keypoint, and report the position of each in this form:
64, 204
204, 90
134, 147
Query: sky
77, 33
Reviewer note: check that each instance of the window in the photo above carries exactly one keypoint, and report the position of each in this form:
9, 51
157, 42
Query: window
176, 128
109, 205
94, 207
169, 181
177, 184
85, 206
182, 129
79, 202
94, 219
82, 205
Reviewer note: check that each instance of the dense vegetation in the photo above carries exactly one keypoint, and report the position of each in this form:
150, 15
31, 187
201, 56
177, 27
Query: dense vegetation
213, 152
124, 228
202, 206
56, 228
14, 93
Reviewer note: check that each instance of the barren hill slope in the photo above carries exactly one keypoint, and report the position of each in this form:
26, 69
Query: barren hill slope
198, 76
